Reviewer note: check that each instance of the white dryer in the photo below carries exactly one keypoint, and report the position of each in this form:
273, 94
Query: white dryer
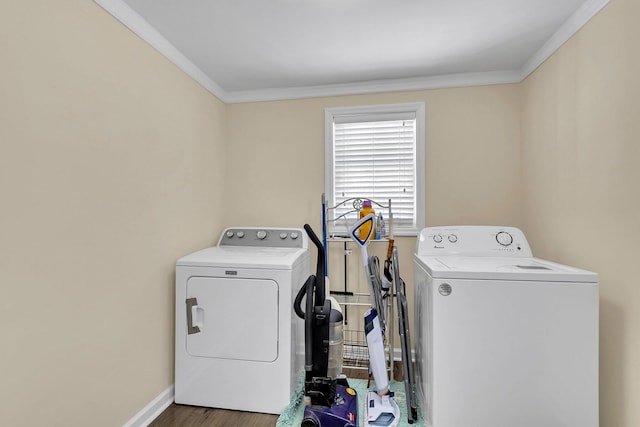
239, 344
503, 339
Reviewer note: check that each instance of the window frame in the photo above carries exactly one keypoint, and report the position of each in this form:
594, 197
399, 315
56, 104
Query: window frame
417, 108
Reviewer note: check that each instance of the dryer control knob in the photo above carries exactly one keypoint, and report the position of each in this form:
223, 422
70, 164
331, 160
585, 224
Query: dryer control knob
229, 234
504, 238
240, 234
294, 235
453, 238
261, 234
283, 236
437, 238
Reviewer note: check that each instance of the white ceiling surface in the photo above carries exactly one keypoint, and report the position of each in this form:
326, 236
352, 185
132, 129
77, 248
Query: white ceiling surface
251, 50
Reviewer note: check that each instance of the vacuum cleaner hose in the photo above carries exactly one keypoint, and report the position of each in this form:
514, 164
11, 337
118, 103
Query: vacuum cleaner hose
306, 290
297, 302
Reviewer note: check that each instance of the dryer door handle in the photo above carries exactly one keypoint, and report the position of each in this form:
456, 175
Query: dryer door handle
192, 314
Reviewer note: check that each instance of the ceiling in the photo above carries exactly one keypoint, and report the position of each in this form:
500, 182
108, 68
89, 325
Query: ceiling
246, 50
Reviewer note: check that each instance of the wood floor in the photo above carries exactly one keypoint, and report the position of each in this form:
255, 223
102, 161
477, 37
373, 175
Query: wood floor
194, 416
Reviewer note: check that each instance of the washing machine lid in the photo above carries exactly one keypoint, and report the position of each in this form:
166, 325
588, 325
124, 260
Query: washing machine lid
502, 268
245, 257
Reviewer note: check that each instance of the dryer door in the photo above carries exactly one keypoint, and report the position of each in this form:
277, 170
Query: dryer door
232, 318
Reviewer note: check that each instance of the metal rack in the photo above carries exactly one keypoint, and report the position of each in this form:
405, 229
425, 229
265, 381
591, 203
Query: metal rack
354, 303
356, 352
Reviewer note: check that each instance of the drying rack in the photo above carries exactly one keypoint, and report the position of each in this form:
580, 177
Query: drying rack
335, 230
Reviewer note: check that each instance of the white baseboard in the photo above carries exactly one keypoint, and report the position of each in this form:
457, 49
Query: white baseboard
152, 410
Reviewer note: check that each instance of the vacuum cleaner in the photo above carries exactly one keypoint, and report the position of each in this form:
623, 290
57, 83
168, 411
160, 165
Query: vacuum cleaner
329, 401
380, 407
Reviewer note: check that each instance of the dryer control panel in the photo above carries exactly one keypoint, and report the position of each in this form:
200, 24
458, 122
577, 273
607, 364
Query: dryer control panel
472, 240
266, 237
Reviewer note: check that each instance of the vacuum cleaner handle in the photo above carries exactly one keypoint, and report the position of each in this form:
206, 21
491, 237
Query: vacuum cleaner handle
320, 282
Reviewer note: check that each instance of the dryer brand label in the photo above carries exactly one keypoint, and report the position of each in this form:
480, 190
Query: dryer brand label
231, 272
445, 289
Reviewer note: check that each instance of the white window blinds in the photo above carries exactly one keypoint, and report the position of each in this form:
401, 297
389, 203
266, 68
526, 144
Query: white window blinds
373, 153
375, 160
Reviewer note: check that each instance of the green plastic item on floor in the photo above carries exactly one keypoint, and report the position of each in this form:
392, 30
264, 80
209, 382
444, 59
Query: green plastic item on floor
289, 416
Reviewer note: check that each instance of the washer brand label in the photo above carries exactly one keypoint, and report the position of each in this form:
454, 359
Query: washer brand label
445, 289
231, 273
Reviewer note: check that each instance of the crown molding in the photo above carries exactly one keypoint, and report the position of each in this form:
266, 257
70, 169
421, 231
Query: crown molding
376, 86
136, 23
571, 26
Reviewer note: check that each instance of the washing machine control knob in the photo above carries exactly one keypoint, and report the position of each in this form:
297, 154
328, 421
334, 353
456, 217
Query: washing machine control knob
294, 235
504, 238
261, 235
453, 238
240, 234
437, 238
283, 236
229, 234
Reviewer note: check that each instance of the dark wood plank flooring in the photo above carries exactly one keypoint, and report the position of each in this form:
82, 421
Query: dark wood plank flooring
195, 416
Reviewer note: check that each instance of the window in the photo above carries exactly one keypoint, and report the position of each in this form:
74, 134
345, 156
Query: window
376, 152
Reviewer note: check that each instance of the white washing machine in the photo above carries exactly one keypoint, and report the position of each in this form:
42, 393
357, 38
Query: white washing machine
502, 339
239, 344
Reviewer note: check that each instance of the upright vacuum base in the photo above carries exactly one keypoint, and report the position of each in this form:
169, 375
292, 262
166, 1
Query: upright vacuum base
343, 412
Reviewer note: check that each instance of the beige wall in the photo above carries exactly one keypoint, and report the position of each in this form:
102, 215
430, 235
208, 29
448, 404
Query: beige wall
581, 132
472, 158
111, 167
